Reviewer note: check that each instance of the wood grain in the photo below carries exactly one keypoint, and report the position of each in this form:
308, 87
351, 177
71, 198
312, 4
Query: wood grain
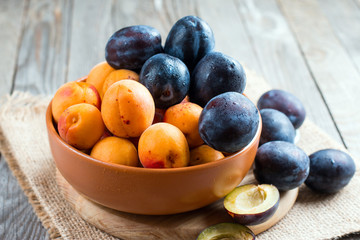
45, 43
103, 18
178, 226
332, 68
40, 68
281, 60
341, 15
10, 38
43, 52
17, 217
230, 32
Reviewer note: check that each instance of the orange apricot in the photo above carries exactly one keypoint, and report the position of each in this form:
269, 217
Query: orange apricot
81, 126
127, 108
115, 150
72, 93
98, 74
116, 76
204, 154
185, 116
163, 145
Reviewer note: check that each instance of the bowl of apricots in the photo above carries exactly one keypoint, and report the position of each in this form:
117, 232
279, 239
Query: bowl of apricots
150, 132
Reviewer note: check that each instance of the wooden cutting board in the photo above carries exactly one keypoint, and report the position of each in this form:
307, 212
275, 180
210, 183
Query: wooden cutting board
179, 226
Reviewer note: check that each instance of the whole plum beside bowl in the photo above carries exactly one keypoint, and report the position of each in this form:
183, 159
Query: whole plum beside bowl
130, 47
281, 164
167, 78
190, 39
330, 170
149, 191
286, 103
216, 73
276, 127
229, 122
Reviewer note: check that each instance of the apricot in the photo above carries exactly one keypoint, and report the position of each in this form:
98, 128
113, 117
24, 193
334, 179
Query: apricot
98, 74
204, 154
116, 76
127, 108
185, 116
81, 126
115, 150
72, 93
163, 145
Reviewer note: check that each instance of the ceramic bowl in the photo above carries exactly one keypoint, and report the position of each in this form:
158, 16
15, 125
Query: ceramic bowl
149, 191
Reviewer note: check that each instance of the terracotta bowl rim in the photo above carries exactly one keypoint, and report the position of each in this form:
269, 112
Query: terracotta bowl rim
51, 129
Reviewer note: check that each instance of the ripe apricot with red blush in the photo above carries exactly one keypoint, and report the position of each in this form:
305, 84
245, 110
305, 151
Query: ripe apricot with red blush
98, 74
127, 109
81, 126
185, 116
163, 145
204, 154
116, 150
116, 76
72, 93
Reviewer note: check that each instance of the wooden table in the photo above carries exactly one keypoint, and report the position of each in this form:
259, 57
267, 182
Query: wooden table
308, 47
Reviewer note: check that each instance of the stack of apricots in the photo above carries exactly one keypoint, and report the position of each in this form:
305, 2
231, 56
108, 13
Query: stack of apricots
158, 107
112, 116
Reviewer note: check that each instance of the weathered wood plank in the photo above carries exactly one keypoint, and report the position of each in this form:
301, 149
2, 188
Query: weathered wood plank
43, 53
344, 18
91, 26
103, 18
230, 32
40, 68
17, 217
330, 64
9, 38
281, 60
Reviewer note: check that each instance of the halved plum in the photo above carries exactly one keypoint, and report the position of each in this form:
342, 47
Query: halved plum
252, 204
226, 231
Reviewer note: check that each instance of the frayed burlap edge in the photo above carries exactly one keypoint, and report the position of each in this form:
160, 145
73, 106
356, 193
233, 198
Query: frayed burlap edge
24, 184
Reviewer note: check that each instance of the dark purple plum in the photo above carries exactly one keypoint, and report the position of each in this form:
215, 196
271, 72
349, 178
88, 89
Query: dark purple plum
130, 47
167, 78
281, 164
216, 73
276, 126
229, 122
286, 103
190, 39
330, 170
226, 231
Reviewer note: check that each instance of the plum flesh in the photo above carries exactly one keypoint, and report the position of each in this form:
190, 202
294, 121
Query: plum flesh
252, 204
226, 231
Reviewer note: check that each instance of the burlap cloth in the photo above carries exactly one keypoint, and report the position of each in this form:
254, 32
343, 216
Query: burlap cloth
24, 143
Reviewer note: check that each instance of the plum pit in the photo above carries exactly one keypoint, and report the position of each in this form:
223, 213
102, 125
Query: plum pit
252, 204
